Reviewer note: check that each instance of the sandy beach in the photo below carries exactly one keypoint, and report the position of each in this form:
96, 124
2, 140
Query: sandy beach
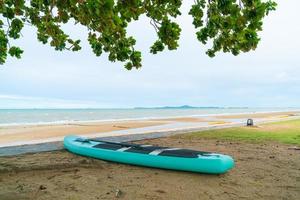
16, 135
39, 132
267, 171
260, 115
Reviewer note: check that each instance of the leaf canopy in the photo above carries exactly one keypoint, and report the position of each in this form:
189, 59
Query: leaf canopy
231, 25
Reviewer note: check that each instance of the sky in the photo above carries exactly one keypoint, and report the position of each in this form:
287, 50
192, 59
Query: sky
266, 77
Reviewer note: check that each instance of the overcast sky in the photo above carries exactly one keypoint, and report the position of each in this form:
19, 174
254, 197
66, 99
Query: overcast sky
270, 76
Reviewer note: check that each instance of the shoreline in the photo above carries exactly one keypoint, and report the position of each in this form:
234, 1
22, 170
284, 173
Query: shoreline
68, 122
32, 135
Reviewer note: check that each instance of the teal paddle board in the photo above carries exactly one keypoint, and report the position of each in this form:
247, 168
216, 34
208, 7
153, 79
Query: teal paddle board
150, 156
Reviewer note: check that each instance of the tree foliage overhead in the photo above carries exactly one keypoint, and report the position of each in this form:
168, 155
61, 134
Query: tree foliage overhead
231, 25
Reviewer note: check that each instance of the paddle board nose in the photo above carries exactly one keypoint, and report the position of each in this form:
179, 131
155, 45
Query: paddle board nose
227, 163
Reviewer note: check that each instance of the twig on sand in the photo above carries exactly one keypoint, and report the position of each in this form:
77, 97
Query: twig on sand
294, 148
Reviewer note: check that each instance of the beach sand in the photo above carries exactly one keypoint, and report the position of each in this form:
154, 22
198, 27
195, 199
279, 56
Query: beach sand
17, 134
184, 119
39, 132
263, 171
260, 115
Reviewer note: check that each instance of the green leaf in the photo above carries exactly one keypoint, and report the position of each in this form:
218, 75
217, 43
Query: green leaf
15, 52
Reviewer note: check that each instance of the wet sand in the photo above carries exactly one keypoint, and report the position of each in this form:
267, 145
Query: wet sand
184, 119
22, 133
261, 115
263, 171
15, 135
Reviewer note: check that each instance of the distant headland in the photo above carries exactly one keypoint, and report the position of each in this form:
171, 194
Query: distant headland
181, 107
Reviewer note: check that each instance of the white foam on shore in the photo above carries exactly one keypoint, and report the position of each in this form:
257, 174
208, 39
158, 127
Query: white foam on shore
171, 127
69, 122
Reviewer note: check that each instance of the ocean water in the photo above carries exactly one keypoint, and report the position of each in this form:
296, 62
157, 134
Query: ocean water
61, 116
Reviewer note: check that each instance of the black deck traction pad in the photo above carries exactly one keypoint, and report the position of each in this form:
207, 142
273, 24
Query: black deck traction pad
109, 146
185, 153
144, 150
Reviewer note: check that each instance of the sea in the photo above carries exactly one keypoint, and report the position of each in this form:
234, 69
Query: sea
14, 117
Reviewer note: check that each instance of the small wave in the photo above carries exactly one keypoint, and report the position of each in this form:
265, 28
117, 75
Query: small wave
153, 117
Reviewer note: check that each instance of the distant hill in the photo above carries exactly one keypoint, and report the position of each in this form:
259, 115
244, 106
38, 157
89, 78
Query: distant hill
176, 107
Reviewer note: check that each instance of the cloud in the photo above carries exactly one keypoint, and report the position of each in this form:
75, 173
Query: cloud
17, 101
268, 76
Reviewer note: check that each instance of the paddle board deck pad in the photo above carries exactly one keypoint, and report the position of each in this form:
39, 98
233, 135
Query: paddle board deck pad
150, 156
